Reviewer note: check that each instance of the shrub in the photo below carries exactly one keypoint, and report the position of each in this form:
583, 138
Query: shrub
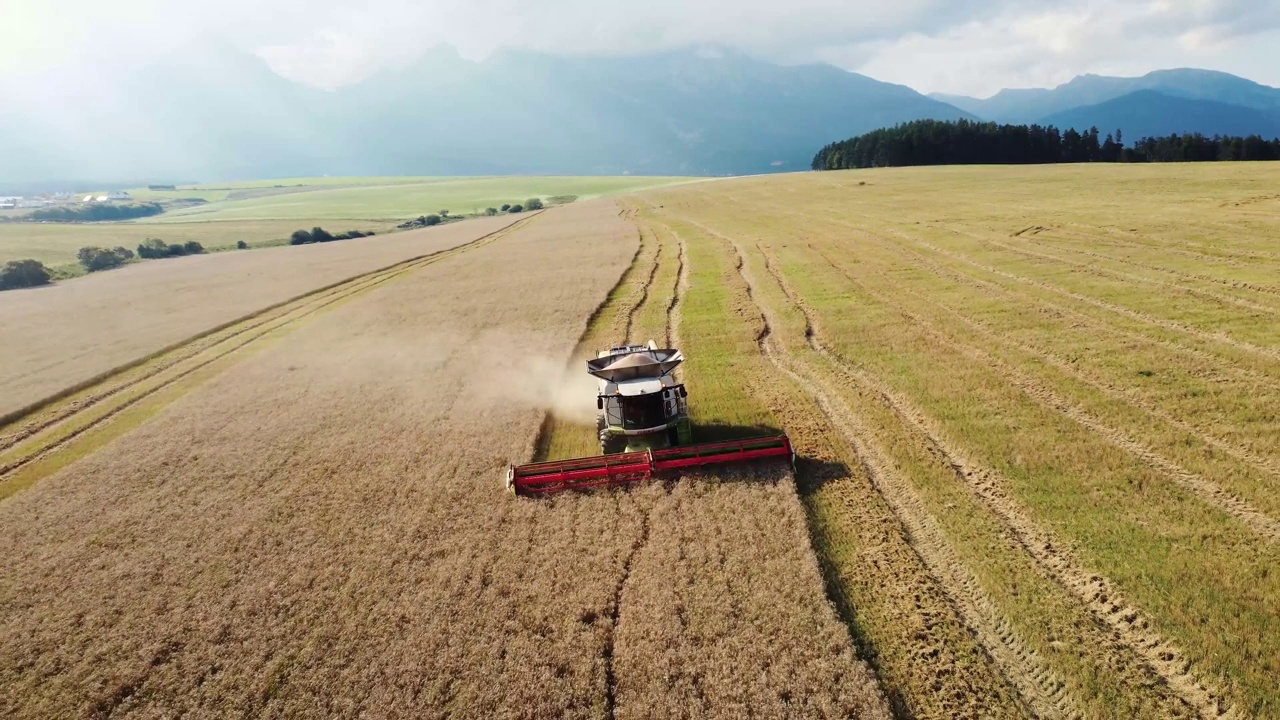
242, 245
96, 258
491, 211
319, 234
516, 209
153, 248
300, 237
432, 220
506, 207
124, 252
444, 213
156, 249
23, 274
533, 204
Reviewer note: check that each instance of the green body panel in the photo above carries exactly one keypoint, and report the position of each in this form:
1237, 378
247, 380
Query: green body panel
684, 431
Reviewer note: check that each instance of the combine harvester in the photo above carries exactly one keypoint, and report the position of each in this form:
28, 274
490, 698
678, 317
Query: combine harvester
643, 421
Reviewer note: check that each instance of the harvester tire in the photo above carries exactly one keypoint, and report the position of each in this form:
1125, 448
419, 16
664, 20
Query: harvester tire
609, 444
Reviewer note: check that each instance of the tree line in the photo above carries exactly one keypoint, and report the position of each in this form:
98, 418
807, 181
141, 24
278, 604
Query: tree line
320, 235
33, 273
965, 142
96, 212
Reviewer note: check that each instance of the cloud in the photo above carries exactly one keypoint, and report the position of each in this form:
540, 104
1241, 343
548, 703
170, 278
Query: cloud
972, 47
1048, 44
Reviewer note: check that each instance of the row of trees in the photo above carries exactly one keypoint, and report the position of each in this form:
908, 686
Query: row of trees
530, 204
32, 273
320, 235
964, 142
155, 249
96, 212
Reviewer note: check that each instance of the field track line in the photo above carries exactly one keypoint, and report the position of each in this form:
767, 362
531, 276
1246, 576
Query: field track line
1091, 269
1175, 326
1207, 490
1230, 256
1240, 454
999, 292
1130, 629
915, 258
615, 615
68, 421
1043, 692
86, 393
543, 440
1048, 241
677, 293
648, 283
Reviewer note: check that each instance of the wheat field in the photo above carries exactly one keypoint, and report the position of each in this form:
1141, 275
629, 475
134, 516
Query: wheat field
319, 528
1037, 409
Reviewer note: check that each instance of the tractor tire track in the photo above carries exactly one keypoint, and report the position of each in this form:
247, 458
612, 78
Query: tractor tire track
615, 615
186, 362
1042, 691
1136, 315
1212, 363
540, 445
1207, 490
1129, 628
1238, 285
680, 287
644, 290
1123, 276
943, 670
1238, 257
1120, 395
52, 411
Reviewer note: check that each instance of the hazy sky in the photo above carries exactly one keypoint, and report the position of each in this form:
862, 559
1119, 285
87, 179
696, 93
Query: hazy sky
960, 46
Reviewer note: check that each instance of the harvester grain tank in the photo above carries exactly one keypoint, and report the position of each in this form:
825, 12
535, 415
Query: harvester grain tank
642, 421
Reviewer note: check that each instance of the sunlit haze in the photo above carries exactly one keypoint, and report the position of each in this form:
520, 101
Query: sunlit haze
930, 45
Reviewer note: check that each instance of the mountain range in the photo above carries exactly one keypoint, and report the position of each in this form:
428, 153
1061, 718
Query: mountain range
216, 113
1160, 103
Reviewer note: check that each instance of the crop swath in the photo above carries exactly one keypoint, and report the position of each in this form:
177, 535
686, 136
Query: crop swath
623, 469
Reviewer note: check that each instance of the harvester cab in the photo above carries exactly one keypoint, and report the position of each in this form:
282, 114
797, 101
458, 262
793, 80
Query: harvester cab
642, 421
639, 406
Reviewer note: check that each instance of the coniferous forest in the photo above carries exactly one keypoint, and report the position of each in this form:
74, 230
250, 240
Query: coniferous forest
965, 142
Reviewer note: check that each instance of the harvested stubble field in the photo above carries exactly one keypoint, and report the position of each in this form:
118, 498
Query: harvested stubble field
57, 337
318, 530
1042, 408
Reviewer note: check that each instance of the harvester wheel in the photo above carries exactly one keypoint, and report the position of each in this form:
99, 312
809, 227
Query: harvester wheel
609, 444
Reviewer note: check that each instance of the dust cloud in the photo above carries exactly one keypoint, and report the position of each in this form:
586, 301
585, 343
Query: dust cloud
545, 383
517, 372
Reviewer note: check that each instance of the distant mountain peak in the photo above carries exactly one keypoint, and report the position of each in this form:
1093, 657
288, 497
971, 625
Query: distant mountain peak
1025, 105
